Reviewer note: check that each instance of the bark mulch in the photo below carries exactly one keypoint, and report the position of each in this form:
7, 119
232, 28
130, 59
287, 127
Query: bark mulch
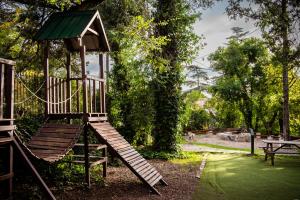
122, 184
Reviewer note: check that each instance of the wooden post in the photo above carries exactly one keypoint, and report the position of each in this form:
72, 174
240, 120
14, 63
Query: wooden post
104, 155
34, 171
69, 88
9, 93
11, 168
1, 89
107, 71
102, 85
85, 117
46, 76
84, 78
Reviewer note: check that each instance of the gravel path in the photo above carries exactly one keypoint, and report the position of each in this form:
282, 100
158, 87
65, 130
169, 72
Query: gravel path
214, 139
197, 148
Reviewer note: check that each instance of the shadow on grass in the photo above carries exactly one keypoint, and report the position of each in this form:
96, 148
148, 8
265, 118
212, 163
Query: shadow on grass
236, 177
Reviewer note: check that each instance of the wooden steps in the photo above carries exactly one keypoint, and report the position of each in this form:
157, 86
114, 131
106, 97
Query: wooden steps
127, 154
53, 141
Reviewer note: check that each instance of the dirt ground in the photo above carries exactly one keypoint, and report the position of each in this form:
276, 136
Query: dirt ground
122, 184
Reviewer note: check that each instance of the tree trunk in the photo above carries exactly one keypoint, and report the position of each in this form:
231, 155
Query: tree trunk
167, 83
285, 62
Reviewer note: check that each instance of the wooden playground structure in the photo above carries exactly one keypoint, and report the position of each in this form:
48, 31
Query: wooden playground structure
81, 32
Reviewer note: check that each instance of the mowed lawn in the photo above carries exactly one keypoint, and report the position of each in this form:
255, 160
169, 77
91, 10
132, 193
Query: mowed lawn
239, 177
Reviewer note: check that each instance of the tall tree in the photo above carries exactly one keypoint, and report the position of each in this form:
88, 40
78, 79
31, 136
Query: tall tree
175, 19
279, 21
242, 65
125, 36
196, 74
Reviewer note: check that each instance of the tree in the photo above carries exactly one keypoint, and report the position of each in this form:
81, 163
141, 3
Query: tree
131, 97
196, 73
174, 19
128, 36
279, 21
242, 65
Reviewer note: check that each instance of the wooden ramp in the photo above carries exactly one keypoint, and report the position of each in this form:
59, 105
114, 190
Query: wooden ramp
53, 141
127, 154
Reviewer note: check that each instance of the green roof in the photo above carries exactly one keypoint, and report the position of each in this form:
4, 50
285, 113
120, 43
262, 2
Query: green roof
64, 25
69, 26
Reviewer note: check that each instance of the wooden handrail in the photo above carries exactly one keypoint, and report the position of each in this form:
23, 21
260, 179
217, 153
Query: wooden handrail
8, 62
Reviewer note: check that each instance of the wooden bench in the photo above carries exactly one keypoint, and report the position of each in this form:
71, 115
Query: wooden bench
271, 150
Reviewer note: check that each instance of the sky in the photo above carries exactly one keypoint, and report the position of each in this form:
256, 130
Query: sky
216, 26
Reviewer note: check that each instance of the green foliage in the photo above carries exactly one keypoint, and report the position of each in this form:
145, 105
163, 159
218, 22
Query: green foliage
175, 20
224, 113
131, 98
279, 23
242, 65
150, 153
193, 116
295, 104
199, 120
28, 125
189, 158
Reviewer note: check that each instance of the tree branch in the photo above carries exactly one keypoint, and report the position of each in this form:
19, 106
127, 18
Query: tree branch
43, 3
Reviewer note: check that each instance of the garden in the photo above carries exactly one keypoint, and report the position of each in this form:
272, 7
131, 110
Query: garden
149, 99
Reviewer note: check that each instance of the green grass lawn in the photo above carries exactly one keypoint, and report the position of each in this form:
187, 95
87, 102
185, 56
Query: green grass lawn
237, 177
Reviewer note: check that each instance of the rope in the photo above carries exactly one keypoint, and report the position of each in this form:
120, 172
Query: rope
39, 98
21, 102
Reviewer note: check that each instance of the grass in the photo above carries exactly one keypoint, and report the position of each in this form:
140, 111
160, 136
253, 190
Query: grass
190, 158
235, 177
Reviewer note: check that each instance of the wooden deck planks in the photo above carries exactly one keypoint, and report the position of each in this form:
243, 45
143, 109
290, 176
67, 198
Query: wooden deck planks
128, 155
54, 141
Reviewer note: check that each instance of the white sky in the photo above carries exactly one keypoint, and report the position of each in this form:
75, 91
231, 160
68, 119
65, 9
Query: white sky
215, 26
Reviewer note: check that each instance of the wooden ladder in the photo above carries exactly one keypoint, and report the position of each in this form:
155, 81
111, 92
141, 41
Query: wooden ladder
127, 154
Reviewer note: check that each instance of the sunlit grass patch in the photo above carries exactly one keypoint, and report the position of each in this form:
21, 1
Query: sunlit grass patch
189, 158
235, 177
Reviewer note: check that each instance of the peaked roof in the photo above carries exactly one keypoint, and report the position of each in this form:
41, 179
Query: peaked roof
74, 25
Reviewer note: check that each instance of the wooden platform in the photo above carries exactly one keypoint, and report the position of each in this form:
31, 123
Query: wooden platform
127, 154
53, 141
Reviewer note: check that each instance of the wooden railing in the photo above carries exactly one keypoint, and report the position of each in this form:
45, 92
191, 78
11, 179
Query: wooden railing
26, 103
6, 89
62, 101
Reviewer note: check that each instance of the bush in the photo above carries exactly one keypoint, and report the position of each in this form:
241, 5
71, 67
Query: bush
198, 120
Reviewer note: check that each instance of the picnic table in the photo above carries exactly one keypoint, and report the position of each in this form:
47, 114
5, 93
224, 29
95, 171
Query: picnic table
276, 146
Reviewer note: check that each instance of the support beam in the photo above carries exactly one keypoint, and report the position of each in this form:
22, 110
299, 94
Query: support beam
85, 109
93, 31
46, 76
107, 71
9, 93
1, 89
11, 169
102, 85
69, 88
34, 171
84, 77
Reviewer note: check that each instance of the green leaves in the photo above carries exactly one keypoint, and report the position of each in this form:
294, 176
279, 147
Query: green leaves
242, 65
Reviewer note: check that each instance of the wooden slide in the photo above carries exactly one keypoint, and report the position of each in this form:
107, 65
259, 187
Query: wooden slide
127, 154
